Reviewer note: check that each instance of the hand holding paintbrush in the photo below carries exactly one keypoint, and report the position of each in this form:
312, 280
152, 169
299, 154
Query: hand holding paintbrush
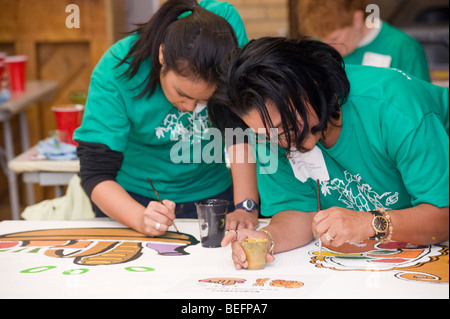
158, 225
327, 235
318, 210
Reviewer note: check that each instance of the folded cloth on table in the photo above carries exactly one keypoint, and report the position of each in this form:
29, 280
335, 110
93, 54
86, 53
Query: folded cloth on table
73, 205
56, 150
4, 95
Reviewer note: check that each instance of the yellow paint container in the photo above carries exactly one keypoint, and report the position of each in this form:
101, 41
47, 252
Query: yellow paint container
255, 250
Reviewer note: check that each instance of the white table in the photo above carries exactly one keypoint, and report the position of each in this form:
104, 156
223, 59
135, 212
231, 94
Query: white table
102, 259
35, 92
43, 172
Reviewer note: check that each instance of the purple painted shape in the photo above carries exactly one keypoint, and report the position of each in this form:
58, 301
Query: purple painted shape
168, 249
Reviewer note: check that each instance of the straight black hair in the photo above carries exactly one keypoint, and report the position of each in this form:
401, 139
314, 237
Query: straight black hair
194, 42
288, 74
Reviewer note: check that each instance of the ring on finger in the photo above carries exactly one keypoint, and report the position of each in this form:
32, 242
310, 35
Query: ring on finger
328, 236
232, 230
157, 226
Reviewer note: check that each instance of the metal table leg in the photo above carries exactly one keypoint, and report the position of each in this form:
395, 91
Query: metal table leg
11, 176
25, 143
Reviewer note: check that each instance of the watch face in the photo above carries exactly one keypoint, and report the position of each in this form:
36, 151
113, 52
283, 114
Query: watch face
248, 204
380, 224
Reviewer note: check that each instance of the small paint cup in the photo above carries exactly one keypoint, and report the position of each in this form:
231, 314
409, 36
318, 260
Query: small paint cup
68, 119
16, 67
255, 250
212, 215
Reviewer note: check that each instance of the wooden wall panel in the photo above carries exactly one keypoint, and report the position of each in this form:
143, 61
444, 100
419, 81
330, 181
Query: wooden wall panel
66, 55
70, 66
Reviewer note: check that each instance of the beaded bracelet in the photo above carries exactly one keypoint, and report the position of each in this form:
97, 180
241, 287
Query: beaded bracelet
388, 238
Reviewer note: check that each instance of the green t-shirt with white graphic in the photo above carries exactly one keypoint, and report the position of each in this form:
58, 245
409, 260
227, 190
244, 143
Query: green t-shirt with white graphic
156, 139
392, 48
393, 151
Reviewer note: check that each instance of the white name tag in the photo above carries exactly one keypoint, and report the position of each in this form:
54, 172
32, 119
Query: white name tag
378, 60
309, 165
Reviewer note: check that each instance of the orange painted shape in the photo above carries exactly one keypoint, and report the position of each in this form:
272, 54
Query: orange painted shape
46, 243
94, 233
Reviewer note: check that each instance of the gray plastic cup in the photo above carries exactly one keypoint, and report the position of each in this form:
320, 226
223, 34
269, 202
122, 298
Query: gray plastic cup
211, 218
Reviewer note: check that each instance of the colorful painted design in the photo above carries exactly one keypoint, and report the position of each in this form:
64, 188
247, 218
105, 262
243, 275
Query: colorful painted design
279, 283
96, 246
408, 262
224, 281
260, 282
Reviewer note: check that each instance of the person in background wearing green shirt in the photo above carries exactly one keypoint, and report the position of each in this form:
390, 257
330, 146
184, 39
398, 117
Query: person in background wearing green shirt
376, 140
146, 106
343, 25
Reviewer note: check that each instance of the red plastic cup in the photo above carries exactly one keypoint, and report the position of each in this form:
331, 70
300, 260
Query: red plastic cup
16, 66
2, 66
68, 119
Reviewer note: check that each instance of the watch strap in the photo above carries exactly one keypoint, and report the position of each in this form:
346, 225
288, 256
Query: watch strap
376, 213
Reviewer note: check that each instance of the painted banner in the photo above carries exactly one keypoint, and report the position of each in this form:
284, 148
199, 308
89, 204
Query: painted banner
103, 259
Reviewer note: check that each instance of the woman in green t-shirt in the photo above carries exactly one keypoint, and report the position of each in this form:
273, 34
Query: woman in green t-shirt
353, 28
146, 106
375, 139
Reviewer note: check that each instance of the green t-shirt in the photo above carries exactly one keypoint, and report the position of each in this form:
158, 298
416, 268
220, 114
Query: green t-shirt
148, 129
393, 150
394, 49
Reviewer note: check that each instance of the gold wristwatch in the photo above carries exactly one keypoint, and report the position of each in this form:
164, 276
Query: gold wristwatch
380, 224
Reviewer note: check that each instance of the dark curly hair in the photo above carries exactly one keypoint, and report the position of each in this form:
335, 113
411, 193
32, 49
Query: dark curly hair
287, 73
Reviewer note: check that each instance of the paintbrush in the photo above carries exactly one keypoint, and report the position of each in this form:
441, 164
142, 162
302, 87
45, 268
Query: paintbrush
159, 198
318, 209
